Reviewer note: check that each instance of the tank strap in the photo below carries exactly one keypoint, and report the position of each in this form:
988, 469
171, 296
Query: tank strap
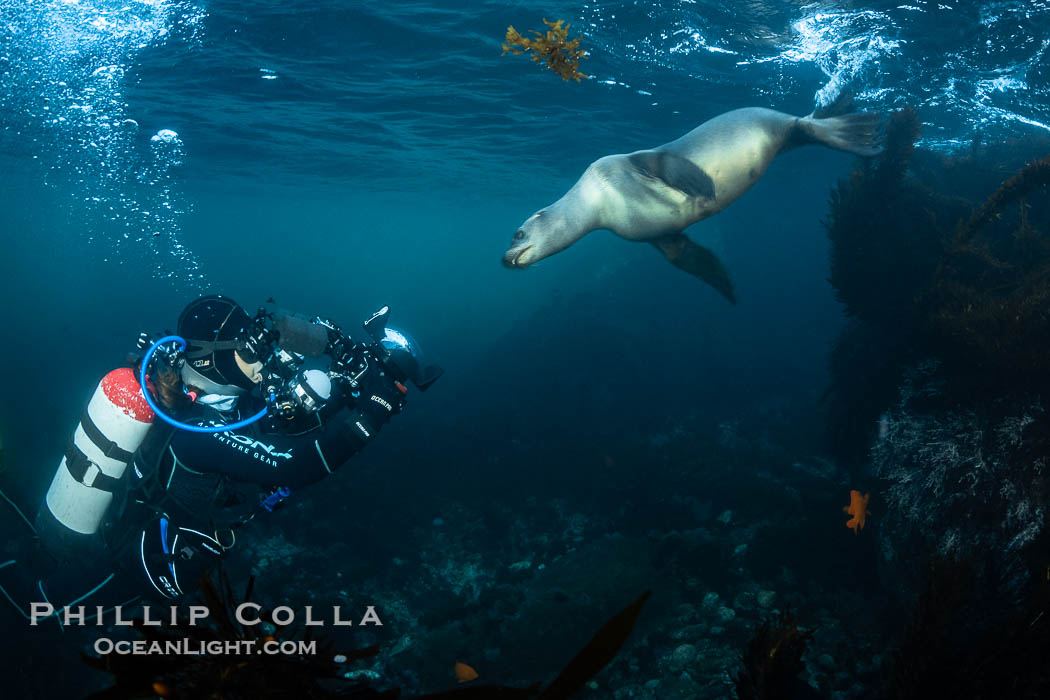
108, 447
87, 472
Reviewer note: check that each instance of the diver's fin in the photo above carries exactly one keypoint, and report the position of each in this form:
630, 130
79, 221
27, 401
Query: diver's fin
698, 261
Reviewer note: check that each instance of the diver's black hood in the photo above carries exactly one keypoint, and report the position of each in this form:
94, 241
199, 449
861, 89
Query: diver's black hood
214, 326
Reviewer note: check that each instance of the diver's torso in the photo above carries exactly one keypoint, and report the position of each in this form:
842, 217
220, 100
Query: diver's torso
169, 481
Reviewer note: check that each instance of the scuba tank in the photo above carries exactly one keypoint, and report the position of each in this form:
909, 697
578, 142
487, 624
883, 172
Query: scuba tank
113, 426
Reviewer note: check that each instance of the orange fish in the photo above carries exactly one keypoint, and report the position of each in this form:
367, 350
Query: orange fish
858, 508
163, 689
463, 672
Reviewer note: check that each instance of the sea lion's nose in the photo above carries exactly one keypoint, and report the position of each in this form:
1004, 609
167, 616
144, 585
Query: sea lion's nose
512, 258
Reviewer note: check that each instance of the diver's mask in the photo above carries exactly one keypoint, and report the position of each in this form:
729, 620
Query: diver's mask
192, 377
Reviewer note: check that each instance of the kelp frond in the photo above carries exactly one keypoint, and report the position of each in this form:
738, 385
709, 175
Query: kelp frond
554, 48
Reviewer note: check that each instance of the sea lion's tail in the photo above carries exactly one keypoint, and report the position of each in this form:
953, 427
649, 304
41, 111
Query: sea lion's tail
856, 133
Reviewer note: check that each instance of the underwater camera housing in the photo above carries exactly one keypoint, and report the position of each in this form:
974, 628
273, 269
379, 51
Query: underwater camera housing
289, 389
283, 340
399, 353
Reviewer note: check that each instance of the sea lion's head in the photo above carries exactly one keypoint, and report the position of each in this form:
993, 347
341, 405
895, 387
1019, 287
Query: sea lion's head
543, 234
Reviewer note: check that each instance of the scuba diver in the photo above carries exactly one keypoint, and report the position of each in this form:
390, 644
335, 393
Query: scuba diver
206, 430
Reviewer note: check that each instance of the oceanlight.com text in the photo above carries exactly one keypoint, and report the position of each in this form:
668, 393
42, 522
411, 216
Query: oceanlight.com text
196, 647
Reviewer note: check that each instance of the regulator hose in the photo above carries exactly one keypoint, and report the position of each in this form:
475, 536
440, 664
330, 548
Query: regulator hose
168, 419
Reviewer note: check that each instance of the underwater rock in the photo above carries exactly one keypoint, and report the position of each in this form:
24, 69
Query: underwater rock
632, 692
745, 600
579, 583
969, 638
691, 632
682, 656
275, 549
686, 612
960, 481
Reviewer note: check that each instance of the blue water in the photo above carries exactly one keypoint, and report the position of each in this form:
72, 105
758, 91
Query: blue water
339, 156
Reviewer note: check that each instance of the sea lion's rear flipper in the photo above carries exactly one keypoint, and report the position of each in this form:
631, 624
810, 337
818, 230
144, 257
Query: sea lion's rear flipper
857, 133
697, 260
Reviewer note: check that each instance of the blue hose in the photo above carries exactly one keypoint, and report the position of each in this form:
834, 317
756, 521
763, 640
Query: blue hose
168, 419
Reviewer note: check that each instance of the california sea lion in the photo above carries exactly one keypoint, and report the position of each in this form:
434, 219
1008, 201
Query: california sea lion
656, 194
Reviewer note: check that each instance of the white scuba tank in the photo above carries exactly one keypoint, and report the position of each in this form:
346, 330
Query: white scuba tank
113, 426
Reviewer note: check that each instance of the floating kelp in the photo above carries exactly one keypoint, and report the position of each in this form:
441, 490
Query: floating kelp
560, 54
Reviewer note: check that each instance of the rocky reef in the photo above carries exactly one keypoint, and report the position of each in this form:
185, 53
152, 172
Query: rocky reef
494, 586
938, 386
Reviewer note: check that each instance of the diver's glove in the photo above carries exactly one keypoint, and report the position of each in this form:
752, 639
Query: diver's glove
380, 396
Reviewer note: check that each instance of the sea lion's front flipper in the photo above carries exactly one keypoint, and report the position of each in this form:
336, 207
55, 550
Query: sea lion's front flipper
674, 171
697, 260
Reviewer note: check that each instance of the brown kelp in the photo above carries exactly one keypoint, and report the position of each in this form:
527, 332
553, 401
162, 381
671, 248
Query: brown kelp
990, 294
884, 248
772, 661
884, 230
553, 48
943, 256
235, 676
967, 279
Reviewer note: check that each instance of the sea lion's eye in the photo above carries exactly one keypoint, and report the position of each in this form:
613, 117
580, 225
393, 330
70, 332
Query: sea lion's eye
519, 235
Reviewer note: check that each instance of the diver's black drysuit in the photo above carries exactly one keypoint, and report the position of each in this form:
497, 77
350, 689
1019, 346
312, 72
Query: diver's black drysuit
201, 486
186, 492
